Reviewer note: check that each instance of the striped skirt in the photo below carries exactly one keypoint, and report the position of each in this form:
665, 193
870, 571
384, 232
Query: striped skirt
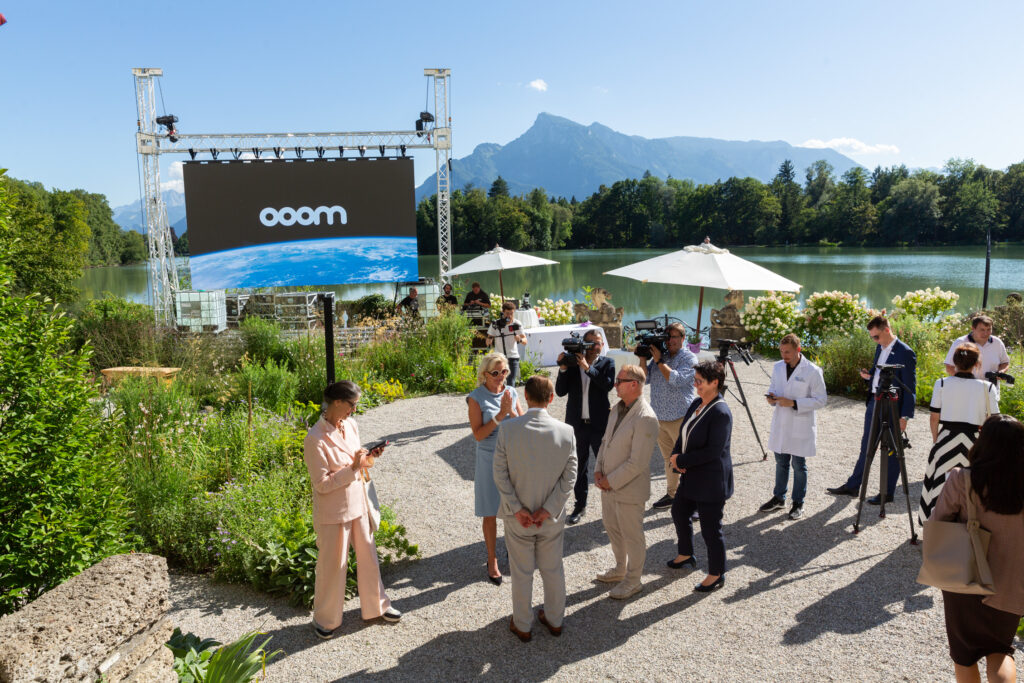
955, 440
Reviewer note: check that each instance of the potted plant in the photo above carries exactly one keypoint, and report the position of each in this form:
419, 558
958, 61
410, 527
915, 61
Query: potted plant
693, 341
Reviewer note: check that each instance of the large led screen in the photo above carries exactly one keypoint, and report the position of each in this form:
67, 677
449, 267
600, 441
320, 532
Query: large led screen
286, 223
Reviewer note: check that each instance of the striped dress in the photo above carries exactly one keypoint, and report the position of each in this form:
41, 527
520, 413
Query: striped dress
963, 404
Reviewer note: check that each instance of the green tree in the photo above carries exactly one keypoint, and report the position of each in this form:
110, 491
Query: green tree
104, 233
852, 216
787, 191
970, 205
1010, 192
499, 188
884, 179
911, 213
133, 247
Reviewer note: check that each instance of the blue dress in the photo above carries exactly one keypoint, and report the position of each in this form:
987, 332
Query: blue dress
487, 496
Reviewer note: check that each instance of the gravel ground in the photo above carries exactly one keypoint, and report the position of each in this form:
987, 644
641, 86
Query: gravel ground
804, 601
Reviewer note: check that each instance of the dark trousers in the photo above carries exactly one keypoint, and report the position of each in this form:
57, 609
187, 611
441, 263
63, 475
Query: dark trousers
893, 465
710, 529
588, 440
513, 372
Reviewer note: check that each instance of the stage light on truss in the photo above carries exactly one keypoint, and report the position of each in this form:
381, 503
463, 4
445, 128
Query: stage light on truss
381, 148
235, 152
298, 152
278, 151
362, 150
256, 151
320, 152
402, 149
192, 153
341, 151
214, 152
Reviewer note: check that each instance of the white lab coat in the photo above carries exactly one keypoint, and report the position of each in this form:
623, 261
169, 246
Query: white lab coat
795, 431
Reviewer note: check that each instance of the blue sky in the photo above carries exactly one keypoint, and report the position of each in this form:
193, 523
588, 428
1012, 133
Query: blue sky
894, 82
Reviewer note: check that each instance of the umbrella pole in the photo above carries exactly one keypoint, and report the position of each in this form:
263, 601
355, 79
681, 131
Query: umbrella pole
501, 287
700, 306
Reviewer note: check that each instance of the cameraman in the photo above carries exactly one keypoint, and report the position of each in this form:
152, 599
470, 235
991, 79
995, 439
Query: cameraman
587, 383
993, 351
671, 378
511, 334
889, 351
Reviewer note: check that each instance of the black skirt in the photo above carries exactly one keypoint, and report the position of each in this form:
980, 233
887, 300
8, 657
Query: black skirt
976, 630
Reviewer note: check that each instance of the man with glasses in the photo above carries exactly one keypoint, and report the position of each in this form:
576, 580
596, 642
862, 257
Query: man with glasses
889, 351
587, 382
510, 334
623, 473
671, 378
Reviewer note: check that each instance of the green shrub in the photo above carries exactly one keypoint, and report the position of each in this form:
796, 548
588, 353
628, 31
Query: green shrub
206, 661
829, 314
262, 340
307, 360
841, 356
769, 318
373, 306
271, 385
431, 361
927, 304
62, 507
120, 332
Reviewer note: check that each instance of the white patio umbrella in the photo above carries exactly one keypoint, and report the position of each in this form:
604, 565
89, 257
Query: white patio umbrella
705, 265
499, 259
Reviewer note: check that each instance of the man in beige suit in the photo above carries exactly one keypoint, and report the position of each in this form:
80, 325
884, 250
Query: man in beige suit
623, 473
534, 469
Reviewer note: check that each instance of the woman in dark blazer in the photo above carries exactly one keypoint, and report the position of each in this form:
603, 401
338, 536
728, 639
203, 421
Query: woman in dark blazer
701, 455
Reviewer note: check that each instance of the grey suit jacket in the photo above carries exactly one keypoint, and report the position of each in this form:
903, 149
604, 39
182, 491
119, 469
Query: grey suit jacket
625, 456
534, 464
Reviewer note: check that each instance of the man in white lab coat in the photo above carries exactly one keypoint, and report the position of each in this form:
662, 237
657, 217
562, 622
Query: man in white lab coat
796, 391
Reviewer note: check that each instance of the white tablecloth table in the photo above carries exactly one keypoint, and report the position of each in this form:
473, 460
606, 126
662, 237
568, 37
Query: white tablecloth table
629, 358
527, 317
543, 344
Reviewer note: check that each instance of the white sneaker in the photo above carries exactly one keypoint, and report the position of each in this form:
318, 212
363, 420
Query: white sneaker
611, 576
624, 590
392, 615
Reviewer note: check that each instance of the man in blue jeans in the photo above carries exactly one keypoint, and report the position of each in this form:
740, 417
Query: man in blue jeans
796, 391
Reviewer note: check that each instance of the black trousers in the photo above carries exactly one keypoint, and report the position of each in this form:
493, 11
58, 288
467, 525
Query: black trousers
710, 529
588, 440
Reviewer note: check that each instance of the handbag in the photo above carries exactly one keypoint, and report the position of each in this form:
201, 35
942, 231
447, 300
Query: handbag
371, 501
955, 554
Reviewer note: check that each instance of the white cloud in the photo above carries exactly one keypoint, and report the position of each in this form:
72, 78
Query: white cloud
538, 84
850, 146
175, 180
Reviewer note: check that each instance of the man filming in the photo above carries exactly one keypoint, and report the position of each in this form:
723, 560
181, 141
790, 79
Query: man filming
889, 351
586, 378
671, 378
511, 335
993, 352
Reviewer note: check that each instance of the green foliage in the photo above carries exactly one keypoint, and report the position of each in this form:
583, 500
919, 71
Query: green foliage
120, 332
373, 306
840, 357
270, 385
262, 340
828, 314
180, 643
436, 360
205, 661
769, 318
307, 361
61, 505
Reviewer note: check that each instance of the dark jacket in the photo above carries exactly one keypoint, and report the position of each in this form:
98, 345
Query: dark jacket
707, 460
602, 380
901, 354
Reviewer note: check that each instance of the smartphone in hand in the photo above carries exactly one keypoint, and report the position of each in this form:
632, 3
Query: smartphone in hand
380, 444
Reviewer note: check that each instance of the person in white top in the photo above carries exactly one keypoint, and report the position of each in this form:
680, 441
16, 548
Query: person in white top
960, 404
505, 334
993, 351
796, 391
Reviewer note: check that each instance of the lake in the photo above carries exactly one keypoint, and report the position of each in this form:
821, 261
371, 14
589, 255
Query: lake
876, 274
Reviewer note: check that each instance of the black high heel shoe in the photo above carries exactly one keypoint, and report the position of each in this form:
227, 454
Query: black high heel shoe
496, 580
683, 563
719, 582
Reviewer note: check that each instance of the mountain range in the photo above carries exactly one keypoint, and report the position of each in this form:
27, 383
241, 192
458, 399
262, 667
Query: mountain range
569, 159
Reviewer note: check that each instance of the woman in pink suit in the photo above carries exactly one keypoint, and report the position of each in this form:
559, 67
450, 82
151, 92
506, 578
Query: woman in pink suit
338, 467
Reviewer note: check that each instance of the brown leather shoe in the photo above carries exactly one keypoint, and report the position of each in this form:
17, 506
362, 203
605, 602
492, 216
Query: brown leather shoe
554, 630
523, 636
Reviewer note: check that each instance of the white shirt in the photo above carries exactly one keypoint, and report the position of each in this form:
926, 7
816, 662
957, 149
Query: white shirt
585, 384
958, 399
505, 341
882, 358
993, 354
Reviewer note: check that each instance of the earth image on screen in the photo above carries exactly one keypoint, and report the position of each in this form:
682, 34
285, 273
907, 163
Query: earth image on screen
331, 261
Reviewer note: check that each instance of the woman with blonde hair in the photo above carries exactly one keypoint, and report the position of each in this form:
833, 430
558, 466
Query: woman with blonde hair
489, 404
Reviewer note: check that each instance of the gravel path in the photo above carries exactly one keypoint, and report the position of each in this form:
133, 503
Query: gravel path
804, 600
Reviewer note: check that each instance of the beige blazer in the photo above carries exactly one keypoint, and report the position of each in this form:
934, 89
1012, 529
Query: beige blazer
534, 464
339, 493
625, 457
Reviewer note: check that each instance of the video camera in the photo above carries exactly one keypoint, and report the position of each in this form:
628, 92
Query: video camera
649, 334
994, 377
574, 344
501, 322
742, 350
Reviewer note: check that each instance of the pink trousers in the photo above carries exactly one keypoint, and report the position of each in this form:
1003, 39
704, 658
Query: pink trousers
332, 541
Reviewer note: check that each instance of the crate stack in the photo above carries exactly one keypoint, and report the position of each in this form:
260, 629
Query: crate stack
296, 310
262, 306
237, 309
201, 311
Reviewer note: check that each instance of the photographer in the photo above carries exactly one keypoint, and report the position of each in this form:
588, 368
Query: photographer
586, 378
510, 334
993, 352
889, 351
670, 375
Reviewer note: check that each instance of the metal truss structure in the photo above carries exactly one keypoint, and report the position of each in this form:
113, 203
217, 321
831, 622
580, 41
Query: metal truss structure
153, 141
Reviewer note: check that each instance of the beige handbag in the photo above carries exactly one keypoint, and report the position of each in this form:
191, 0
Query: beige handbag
955, 554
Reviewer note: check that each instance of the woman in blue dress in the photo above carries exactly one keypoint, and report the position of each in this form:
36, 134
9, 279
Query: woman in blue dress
489, 404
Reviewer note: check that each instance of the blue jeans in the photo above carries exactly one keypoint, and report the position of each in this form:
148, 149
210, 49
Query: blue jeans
782, 477
893, 464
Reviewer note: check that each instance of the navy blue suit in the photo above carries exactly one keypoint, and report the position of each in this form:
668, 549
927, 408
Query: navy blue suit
901, 354
707, 482
588, 434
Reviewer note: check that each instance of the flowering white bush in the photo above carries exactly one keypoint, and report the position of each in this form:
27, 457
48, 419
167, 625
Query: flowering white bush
926, 304
769, 318
554, 312
826, 313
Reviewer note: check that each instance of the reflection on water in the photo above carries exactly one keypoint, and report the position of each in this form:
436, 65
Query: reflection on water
875, 274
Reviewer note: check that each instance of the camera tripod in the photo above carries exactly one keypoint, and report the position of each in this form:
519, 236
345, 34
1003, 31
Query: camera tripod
885, 419
725, 359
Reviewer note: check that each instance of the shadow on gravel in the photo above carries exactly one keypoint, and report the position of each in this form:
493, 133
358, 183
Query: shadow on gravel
492, 653
461, 455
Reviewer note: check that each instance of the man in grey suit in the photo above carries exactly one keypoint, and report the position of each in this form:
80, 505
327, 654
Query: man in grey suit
623, 473
535, 469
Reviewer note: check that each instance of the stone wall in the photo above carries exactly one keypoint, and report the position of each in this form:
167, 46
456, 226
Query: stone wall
106, 623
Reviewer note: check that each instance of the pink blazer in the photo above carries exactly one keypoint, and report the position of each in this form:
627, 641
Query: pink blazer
338, 490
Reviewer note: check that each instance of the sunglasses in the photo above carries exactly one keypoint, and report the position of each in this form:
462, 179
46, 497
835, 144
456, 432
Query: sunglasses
498, 373
621, 381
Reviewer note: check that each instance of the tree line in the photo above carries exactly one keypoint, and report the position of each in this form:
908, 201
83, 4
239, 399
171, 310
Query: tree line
885, 207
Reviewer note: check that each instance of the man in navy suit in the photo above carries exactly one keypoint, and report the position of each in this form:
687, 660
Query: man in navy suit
587, 382
890, 351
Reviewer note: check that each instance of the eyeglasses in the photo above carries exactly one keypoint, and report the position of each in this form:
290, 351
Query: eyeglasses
498, 373
354, 404
619, 380
675, 336
876, 337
